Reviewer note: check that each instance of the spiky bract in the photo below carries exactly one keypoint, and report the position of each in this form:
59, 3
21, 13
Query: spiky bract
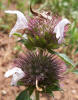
45, 68
40, 31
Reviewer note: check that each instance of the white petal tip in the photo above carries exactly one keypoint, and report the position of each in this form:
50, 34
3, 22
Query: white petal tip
6, 75
11, 11
25, 36
66, 21
7, 11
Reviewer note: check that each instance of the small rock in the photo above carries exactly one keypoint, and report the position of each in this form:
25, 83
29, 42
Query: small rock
67, 82
4, 92
74, 91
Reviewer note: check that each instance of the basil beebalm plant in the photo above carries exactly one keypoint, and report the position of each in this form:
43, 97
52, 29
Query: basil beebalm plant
40, 69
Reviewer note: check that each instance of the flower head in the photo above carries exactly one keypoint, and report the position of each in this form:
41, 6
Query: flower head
34, 69
42, 25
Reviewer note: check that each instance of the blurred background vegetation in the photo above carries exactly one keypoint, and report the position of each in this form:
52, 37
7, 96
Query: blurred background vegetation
64, 8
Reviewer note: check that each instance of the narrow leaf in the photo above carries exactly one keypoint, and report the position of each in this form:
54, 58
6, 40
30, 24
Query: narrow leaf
25, 95
75, 71
64, 57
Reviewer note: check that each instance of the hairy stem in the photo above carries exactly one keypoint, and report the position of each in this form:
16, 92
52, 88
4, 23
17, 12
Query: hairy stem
37, 95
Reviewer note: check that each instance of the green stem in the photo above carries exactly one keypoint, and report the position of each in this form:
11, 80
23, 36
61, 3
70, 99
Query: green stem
37, 95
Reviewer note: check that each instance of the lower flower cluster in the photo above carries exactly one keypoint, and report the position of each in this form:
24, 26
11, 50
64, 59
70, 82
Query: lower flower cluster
35, 69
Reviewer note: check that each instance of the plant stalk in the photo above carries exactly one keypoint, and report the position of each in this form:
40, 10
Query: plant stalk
37, 95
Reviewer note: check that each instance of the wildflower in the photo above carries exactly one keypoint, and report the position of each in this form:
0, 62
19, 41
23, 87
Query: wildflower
17, 75
45, 31
34, 69
21, 22
59, 29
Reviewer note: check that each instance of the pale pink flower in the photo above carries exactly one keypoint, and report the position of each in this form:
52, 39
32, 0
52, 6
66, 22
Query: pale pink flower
17, 74
21, 22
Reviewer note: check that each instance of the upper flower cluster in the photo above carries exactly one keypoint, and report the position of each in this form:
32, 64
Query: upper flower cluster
41, 25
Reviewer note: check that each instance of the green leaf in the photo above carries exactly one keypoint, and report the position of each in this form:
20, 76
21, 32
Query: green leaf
51, 94
51, 88
20, 83
30, 89
17, 47
64, 57
25, 95
17, 34
54, 87
75, 71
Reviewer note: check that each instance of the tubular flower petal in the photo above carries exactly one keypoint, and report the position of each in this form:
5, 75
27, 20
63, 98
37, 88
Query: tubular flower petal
21, 22
17, 74
59, 29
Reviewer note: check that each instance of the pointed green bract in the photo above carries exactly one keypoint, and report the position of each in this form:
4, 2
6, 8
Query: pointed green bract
25, 95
